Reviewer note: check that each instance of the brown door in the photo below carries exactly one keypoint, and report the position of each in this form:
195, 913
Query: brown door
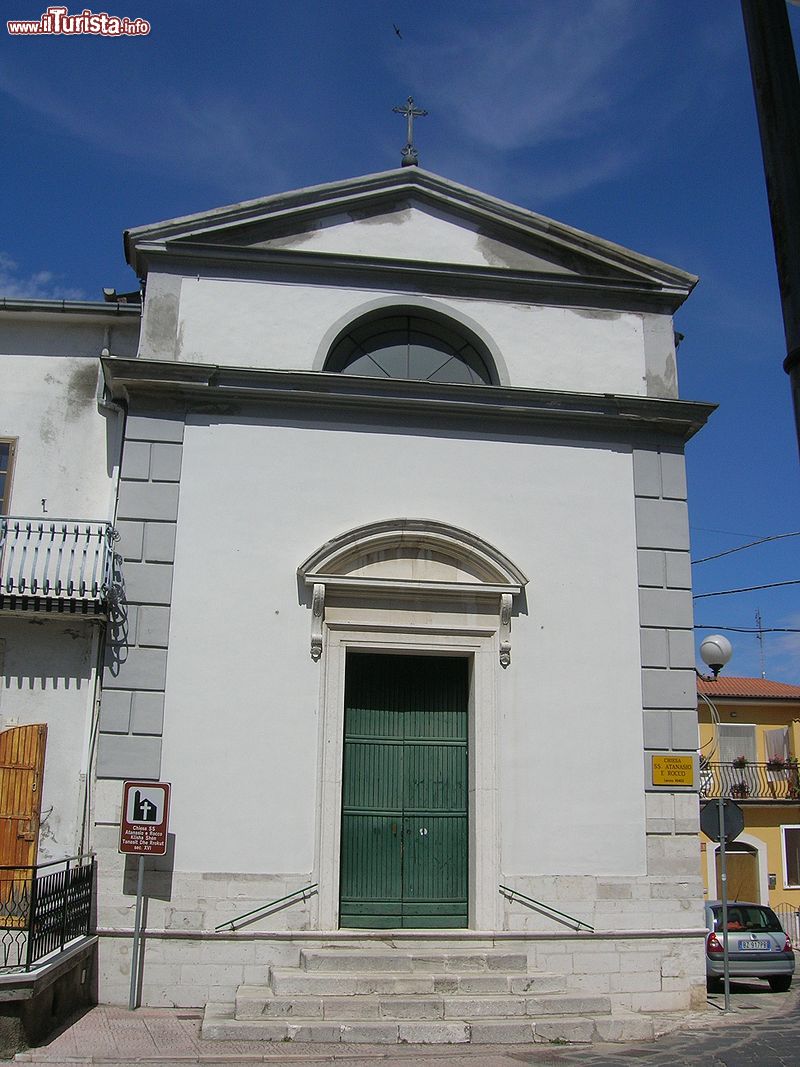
743, 882
21, 773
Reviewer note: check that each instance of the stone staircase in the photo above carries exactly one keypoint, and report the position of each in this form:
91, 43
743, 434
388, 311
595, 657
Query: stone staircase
400, 995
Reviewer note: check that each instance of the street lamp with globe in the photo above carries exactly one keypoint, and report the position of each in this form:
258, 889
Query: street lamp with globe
716, 651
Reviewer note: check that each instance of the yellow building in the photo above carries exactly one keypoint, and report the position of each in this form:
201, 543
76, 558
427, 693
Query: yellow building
749, 750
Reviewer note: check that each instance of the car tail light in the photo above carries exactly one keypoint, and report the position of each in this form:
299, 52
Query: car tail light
788, 946
713, 944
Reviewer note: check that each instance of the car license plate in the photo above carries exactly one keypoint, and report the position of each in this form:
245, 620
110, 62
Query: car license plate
755, 946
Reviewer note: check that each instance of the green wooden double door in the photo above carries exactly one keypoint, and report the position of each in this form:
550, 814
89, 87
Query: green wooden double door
404, 795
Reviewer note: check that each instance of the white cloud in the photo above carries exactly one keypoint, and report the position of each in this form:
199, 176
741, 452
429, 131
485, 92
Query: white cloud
783, 652
41, 285
540, 74
211, 135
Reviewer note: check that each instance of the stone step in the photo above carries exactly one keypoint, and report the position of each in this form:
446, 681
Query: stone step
219, 1024
289, 981
405, 960
253, 1003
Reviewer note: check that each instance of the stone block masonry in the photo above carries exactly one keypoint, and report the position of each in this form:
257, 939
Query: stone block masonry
669, 696
132, 708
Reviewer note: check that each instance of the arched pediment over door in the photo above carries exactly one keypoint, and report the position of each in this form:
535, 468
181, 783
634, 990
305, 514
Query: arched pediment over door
413, 557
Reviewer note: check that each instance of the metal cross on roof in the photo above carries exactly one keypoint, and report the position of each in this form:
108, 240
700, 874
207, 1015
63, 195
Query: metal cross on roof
410, 156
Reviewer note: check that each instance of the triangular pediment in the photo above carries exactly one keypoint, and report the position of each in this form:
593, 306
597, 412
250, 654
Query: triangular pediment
407, 215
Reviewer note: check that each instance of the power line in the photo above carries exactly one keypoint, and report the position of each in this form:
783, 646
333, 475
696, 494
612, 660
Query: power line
748, 629
747, 589
750, 544
729, 533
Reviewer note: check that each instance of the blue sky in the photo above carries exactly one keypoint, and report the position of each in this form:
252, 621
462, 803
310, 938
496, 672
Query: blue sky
631, 119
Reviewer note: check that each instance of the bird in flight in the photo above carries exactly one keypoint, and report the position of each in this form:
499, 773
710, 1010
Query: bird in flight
397, 31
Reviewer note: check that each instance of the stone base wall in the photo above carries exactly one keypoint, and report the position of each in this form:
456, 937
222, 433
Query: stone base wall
638, 974
187, 964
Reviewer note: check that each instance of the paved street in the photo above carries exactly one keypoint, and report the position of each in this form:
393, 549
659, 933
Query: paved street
764, 1031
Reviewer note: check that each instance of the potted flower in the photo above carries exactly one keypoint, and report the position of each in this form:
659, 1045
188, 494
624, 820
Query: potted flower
739, 761
740, 790
776, 763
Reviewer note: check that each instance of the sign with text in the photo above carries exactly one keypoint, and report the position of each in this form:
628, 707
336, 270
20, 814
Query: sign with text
674, 771
145, 818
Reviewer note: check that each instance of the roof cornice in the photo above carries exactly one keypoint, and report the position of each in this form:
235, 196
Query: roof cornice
206, 386
433, 278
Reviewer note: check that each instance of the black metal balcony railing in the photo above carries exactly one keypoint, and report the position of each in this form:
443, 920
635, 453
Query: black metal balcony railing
61, 564
43, 909
751, 781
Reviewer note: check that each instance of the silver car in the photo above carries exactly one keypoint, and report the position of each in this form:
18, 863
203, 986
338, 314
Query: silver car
758, 946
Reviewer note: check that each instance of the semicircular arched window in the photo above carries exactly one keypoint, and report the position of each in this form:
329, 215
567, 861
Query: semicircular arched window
411, 347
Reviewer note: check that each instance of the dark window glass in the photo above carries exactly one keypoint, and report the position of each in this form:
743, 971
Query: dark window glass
791, 848
6, 461
748, 917
410, 347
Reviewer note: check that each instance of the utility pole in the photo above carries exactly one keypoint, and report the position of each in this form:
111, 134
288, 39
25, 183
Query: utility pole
773, 67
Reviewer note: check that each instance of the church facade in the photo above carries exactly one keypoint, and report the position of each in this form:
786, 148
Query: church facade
407, 606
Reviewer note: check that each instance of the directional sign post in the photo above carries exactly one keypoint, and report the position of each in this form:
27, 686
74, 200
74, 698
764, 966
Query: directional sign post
142, 832
723, 821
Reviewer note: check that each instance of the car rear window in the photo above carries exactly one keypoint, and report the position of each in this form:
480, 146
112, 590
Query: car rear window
748, 917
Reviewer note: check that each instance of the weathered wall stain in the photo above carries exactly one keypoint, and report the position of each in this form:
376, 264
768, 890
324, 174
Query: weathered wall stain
81, 390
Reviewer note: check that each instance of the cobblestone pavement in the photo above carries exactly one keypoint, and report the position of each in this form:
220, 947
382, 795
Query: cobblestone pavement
764, 1030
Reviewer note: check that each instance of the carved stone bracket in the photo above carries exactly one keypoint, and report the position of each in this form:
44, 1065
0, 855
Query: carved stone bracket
505, 629
317, 616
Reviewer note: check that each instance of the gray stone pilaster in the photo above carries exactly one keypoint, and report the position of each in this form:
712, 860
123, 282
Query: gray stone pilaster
669, 694
132, 709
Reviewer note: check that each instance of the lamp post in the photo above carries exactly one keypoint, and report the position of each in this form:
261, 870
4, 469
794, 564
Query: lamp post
716, 651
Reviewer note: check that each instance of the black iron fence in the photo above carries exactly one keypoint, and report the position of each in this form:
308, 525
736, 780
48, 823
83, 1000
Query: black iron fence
43, 909
743, 780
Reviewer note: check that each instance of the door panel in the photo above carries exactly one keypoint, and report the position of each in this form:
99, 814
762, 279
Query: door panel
743, 880
22, 750
404, 794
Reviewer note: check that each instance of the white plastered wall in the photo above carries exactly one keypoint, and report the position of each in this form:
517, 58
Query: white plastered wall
280, 326
241, 685
67, 451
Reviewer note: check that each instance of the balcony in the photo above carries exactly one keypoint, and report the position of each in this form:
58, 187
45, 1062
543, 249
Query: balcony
773, 782
43, 910
59, 566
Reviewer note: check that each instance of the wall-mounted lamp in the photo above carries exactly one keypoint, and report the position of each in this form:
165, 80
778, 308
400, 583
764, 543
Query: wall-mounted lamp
716, 651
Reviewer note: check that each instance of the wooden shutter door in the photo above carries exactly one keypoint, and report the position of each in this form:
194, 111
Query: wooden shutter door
404, 795
21, 773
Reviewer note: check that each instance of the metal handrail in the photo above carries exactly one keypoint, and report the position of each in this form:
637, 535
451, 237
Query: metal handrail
775, 780
57, 559
43, 909
234, 923
545, 909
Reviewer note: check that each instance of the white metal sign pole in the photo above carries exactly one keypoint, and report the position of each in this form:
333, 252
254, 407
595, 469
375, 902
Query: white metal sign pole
723, 877
137, 936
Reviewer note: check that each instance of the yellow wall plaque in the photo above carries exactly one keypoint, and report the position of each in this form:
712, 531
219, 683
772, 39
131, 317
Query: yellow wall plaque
673, 770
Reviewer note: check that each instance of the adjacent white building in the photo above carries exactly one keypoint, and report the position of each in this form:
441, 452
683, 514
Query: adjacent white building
407, 610
59, 466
